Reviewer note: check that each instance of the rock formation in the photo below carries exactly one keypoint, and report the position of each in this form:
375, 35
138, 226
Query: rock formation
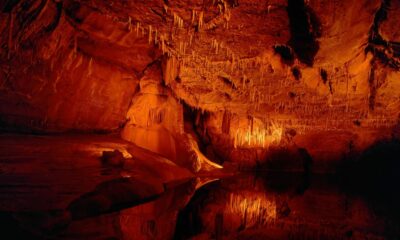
256, 76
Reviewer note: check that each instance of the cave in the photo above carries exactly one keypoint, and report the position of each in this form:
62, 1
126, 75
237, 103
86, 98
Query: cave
200, 119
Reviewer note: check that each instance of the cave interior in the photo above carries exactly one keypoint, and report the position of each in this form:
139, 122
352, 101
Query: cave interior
199, 119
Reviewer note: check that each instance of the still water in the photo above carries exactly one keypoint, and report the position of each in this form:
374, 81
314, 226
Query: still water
251, 206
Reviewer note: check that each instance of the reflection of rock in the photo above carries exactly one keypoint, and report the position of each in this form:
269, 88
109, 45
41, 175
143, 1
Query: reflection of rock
47, 189
153, 220
113, 196
253, 211
156, 219
113, 158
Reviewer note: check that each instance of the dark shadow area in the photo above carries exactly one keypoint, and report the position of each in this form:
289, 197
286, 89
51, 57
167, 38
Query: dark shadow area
104, 212
384, 50
296, 73
324, 75
189, 222
374, 175
12, 229
287, 160
286, 53
194, 124
305, 28
270, 206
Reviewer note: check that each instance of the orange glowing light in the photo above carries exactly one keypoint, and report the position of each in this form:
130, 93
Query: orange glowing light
254, 208
258, 137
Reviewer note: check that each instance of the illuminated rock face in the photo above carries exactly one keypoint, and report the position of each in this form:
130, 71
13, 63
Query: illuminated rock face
154, 116
319, 75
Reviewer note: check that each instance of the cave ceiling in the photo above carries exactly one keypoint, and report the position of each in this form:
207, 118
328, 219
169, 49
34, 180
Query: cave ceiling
300, 60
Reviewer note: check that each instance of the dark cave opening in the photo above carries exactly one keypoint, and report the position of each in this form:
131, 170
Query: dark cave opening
305, 28
194, 124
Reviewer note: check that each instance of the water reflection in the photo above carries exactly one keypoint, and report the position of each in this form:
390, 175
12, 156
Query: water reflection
263, 206
280, 207
152, 220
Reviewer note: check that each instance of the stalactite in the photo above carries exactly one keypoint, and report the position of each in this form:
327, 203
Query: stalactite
178, 21
150, 30
148, 118
137, 28
190, 38
129, 24
10, 34
90, 66
220, 8
193, 16
200, 24
75, 45
162, 44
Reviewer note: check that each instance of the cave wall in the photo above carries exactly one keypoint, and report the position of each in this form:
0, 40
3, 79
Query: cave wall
59, 76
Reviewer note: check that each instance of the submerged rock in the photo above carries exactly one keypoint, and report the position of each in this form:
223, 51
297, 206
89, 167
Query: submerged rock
113, 158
